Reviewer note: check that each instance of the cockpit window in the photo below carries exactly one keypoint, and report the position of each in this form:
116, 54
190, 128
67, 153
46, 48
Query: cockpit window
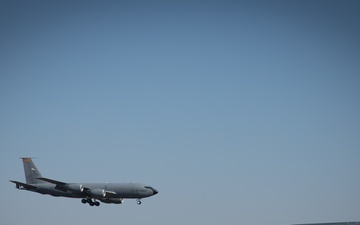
151, 188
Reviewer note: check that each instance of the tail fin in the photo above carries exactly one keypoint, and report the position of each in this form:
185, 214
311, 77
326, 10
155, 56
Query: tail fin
31, 172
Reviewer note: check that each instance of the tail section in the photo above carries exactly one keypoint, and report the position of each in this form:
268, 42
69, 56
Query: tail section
31, 172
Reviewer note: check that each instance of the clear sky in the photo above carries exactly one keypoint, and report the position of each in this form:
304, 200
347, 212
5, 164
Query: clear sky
237, 112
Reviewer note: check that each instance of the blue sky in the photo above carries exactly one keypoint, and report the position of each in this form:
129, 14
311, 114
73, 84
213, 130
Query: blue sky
237, 112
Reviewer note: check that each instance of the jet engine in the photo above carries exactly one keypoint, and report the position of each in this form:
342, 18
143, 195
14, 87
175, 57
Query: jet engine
112, 200
98, 193
75, 188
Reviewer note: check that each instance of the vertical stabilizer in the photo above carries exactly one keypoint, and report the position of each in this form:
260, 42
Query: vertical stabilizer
31, 172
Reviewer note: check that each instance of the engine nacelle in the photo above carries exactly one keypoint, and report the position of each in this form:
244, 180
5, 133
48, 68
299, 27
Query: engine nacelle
75, 188
112, 200
97, 193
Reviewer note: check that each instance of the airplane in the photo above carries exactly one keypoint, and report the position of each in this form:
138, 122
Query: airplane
88, 192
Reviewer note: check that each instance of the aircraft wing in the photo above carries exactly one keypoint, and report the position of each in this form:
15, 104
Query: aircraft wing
20, 185
71, 187
52, 181
59, 185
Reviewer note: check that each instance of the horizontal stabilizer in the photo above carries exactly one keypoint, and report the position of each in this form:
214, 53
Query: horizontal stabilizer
20, 185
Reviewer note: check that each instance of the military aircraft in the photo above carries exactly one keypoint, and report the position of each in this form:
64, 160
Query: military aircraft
88, 192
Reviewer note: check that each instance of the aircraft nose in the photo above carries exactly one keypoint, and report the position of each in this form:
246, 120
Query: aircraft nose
155, 191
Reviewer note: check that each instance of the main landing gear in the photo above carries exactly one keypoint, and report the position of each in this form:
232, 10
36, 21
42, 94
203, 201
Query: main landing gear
96, 203
91, 202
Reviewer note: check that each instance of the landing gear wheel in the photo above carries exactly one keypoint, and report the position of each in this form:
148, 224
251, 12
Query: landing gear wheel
97, 203
84, 201
91, 203
138, 202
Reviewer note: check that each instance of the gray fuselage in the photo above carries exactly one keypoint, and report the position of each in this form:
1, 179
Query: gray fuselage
122, 190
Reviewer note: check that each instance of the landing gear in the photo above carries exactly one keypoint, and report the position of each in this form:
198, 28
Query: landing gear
91, 202
138, 202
